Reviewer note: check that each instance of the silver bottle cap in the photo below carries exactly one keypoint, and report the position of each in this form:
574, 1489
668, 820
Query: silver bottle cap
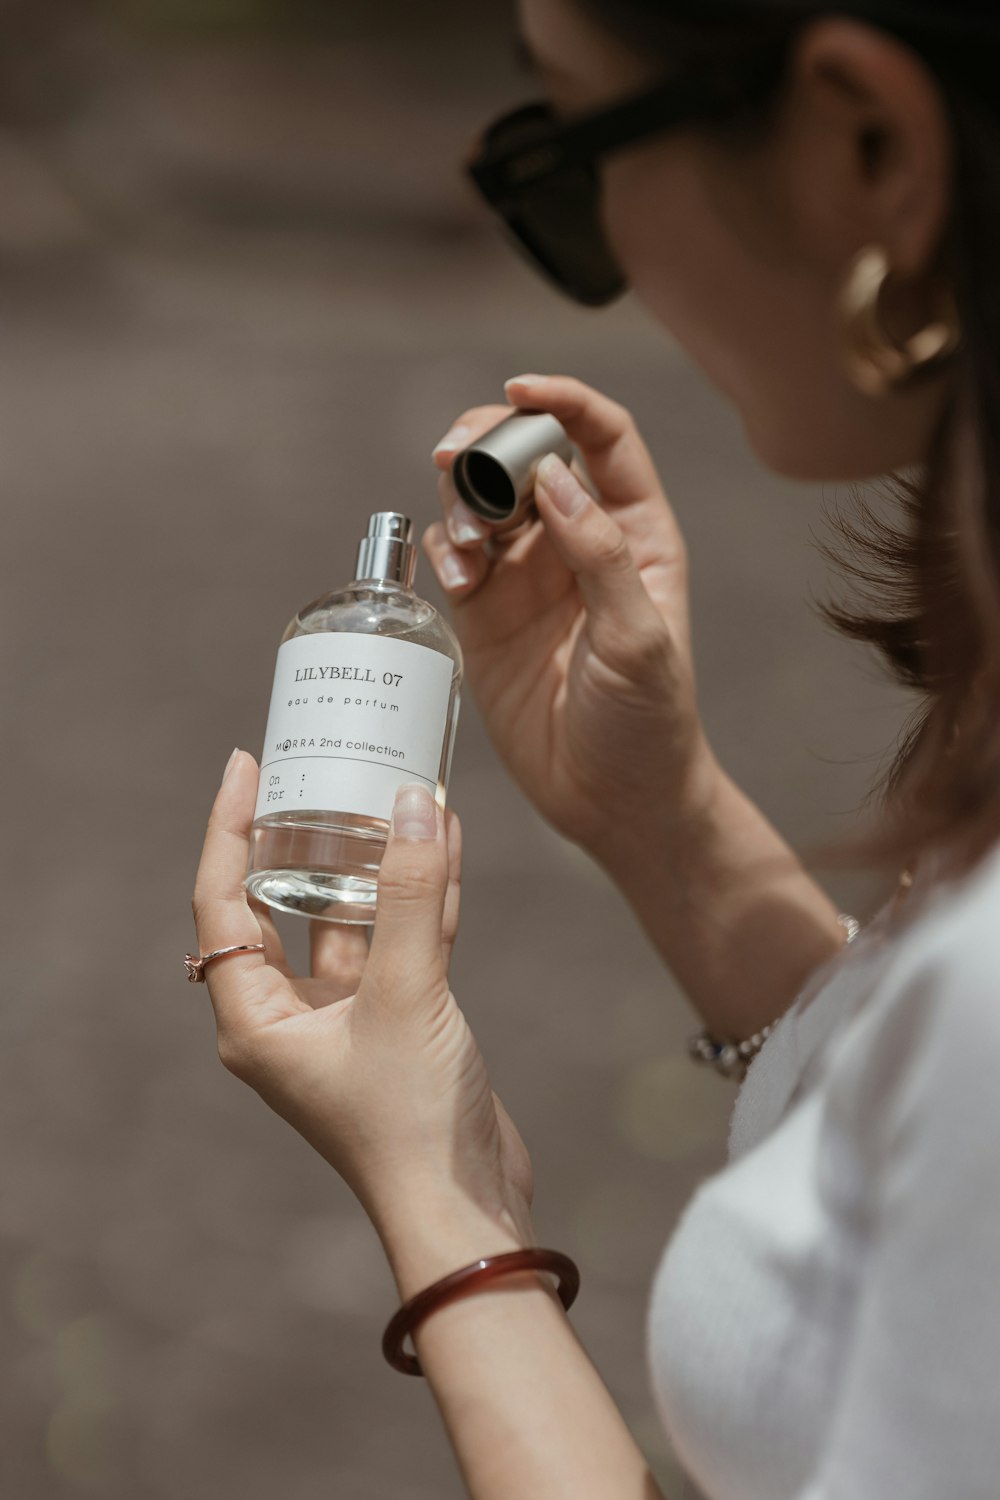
387, 552
495, 475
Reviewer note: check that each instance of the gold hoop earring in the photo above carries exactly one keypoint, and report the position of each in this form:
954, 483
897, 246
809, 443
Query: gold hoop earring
875, 362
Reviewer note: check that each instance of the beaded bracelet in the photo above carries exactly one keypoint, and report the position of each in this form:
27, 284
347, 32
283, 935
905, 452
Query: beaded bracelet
732, 1059
471, 1279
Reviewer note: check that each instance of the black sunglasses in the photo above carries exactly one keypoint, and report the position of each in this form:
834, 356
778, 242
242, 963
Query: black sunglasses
539, 174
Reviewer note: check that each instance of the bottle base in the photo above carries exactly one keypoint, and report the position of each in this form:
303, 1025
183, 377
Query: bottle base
322, 865
310, 894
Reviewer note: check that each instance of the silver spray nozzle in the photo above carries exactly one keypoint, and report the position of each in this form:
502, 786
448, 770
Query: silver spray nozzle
495, 475
387, 551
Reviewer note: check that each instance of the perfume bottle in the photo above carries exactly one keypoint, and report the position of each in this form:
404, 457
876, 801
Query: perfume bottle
366, 697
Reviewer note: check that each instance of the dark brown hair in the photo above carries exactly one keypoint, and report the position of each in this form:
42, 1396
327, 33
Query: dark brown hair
925, 572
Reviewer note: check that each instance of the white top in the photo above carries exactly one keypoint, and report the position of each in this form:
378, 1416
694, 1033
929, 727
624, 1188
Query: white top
825, 1321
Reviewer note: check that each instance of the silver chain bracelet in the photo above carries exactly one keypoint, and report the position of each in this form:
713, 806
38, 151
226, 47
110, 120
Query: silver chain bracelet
732, 1059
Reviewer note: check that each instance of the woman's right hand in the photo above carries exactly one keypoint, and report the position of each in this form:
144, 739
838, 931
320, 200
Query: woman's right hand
575, 629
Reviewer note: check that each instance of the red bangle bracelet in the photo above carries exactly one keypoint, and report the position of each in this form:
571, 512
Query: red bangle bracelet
471, 1278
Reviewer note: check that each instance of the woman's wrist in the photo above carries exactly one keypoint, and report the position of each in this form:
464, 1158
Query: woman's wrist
681, 818
728, 904
426, 1237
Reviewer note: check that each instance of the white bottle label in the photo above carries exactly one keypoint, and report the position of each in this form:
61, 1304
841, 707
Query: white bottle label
352, 718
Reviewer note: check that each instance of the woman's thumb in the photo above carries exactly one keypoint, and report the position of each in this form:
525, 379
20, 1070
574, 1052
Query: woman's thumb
596, 551
405, 950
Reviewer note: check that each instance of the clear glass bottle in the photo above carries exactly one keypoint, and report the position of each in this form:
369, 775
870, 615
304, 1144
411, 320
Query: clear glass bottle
366, 697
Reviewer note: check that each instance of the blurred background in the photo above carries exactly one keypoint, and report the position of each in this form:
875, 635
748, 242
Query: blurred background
243, 291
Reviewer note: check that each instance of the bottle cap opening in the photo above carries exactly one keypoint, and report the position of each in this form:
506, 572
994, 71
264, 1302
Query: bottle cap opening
495, 475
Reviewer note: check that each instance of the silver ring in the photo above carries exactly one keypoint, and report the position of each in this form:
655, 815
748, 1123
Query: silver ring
194, 963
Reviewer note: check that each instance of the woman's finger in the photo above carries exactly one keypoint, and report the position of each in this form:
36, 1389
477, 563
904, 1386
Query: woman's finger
243, 988
449, 918
466, 531
623, 618
616, 457
459, 572
274, 948
405, 969
338, 953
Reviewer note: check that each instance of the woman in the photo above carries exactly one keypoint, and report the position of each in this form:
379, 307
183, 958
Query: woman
809, 201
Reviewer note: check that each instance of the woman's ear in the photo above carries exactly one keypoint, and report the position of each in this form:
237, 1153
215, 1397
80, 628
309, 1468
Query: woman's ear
876, 120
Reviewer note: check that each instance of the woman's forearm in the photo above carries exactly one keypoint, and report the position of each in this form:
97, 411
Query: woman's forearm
524, 1408
728, 904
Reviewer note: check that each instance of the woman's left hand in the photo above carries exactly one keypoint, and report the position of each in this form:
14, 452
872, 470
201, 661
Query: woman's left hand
370, 1059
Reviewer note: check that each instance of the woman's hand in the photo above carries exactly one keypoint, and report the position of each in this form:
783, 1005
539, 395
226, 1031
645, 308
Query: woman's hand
371, 1059
574, 627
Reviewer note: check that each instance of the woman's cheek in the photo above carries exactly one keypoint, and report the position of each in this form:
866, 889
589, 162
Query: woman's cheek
659, 232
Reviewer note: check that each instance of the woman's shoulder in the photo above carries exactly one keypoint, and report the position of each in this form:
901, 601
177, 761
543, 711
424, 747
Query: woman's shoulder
901, 1017
924, 1045
952, 945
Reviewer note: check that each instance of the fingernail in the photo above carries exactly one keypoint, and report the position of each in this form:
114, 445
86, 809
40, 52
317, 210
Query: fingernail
559, 484
230, 763
451, 571
524, 380
454, 438
464, 525
414, 812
